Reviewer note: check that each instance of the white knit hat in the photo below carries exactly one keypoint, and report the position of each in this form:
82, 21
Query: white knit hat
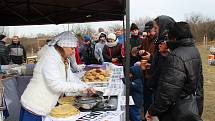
65, 39
111, 36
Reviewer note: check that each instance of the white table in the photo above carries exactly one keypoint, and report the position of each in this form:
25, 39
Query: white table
116, 87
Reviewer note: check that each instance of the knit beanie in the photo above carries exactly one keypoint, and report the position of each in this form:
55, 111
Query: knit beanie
111, 36
148, 26
2, 37
133, 27
87, 38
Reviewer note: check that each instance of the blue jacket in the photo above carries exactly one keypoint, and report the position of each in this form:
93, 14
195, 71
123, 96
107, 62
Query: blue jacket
121, 39
136, 85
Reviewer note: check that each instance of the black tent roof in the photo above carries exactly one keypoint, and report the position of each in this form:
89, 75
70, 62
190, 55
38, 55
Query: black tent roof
37, 12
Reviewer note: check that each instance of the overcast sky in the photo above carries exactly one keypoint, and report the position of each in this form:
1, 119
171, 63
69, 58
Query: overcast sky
178, 9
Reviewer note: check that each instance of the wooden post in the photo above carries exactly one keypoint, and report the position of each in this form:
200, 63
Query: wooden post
206, 40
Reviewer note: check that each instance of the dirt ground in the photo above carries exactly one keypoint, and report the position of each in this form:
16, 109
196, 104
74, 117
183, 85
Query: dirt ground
209, 85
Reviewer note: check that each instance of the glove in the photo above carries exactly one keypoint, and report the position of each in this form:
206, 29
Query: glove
137, 63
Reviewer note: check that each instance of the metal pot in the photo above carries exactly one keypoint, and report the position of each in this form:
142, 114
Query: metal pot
88, 102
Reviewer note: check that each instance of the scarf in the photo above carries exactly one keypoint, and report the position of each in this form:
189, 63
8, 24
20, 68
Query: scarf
111, 44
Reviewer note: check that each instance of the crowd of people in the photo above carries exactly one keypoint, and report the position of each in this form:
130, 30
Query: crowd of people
166, 77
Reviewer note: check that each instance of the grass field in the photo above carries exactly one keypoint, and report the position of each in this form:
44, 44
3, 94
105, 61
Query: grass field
209, 85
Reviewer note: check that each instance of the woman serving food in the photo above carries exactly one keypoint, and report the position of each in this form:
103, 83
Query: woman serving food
52, 77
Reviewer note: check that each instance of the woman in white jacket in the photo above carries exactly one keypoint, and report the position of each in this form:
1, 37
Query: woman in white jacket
52, 77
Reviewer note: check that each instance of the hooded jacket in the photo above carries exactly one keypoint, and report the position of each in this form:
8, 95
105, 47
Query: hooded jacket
17, 53
164, 23
179, 77
99, 47
98, 51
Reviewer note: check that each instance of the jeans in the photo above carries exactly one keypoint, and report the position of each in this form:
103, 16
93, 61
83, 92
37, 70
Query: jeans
27, 116
135, 113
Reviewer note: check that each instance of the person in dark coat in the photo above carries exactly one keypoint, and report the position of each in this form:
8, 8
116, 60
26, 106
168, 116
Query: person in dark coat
112, 50
145, 51
86, 51
17, 51
136, 40
4, 54
180, 75
148, 47
161, 25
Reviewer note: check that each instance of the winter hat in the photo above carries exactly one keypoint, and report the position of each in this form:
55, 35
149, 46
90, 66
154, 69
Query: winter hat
180, 30
64, 39
148, 26
101, 30
2, 37
164, 22
87, 38
102, 34
133, 27
111, 36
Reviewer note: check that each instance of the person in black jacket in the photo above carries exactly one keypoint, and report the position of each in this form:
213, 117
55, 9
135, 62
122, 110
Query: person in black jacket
180, 76
17, 51
161, 25
86, 51
4, 55
136, 40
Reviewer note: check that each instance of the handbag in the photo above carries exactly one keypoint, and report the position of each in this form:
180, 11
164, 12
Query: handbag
186, 109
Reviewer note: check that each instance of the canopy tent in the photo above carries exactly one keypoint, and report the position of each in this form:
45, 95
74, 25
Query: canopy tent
37, 12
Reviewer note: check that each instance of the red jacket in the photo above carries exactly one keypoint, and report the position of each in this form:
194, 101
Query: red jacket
77, 57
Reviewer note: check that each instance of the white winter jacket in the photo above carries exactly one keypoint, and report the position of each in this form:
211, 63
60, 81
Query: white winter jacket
49, 81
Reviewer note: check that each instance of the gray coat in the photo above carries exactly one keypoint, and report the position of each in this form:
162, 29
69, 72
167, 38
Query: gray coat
98, 51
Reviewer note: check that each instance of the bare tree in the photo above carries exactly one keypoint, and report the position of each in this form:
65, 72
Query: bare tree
141, 22
115, 27
201, 26
82, 29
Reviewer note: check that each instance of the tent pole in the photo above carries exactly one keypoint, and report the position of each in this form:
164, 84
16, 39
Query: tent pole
127, 57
